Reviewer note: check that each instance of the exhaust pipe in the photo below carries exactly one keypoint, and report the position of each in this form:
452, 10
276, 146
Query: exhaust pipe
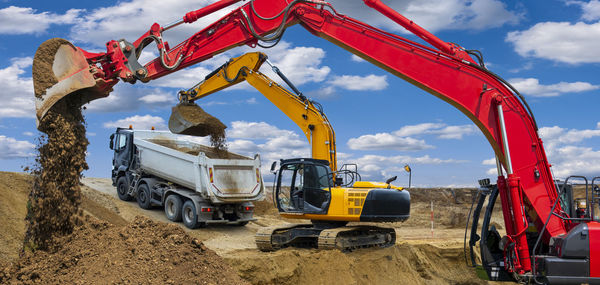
59, 70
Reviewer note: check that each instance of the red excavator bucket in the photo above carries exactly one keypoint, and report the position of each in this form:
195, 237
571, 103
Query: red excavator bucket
59, 70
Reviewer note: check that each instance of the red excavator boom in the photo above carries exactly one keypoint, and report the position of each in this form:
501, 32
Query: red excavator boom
528, 191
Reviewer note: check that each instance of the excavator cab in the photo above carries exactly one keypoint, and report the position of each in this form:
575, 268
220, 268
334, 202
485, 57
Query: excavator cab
303, 186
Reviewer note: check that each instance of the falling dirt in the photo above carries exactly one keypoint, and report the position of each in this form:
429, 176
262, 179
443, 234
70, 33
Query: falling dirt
196, 149
203, 124
53, 206
142, 252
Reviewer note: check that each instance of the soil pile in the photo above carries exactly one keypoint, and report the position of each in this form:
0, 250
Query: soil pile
53, 206
404, 263
190, 119
143, 252
14, 188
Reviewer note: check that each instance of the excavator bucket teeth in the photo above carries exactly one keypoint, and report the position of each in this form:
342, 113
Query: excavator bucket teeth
59, 70
190, 119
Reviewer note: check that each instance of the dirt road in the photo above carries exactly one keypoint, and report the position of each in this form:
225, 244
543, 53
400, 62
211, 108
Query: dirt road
417, 258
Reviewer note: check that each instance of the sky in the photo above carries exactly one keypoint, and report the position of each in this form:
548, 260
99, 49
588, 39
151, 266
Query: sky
549, 50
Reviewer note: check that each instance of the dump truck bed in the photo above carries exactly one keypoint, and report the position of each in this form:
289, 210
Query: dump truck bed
220, 176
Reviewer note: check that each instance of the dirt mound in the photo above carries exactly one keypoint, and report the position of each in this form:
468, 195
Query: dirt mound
143, 252
13, 196
403, 263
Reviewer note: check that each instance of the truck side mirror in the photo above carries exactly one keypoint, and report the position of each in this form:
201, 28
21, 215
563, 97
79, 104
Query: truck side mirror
273, 166
111, 145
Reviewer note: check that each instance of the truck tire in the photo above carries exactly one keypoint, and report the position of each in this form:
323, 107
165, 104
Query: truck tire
123, 188
173, 207
189, 215
143, 197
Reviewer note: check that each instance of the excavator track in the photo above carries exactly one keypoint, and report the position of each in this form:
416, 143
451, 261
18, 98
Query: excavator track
309, 236
350, 238
277, 237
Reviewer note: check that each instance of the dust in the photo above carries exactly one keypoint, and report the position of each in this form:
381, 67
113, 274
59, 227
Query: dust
203, 125
141, 252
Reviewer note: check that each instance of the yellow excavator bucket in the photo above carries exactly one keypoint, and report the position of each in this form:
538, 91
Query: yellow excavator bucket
59, 70
190, 119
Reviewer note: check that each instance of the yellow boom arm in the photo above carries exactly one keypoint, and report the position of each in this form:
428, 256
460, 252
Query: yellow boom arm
303, 112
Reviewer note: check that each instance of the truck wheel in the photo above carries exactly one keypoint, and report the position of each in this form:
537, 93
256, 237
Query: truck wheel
189, 215
123, 188
143, 197
173, 207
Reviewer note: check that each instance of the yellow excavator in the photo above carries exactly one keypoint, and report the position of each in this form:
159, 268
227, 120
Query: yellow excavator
309, 188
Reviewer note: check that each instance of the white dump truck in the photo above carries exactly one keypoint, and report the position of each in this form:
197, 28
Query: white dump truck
194, 183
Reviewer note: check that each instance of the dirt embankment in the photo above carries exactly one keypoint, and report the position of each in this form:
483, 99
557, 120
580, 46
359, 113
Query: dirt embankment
144, 252
404, 263
13, 195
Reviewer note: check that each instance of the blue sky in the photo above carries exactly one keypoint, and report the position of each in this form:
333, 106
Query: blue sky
550, 50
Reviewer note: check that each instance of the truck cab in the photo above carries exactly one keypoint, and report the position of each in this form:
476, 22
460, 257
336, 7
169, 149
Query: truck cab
121, 142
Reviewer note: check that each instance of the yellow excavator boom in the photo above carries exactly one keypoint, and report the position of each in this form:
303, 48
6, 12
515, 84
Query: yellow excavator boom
303, 112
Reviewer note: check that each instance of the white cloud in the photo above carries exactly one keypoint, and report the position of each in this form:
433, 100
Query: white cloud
256, 130
532, 87
559, 41
17, 90
131, 19
591, 9
21, 20
139, 122
128, 98
11, 148
491, 161
566, 152
382, 141
380, 167
29, 134
435, 15
402, 140
359, 83
442, 131
158, 98
565, 136
300, 64
357, 58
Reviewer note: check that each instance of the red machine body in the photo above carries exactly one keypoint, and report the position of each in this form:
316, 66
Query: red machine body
448, 71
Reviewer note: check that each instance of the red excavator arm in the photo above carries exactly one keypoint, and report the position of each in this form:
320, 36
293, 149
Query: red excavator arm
447, 71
